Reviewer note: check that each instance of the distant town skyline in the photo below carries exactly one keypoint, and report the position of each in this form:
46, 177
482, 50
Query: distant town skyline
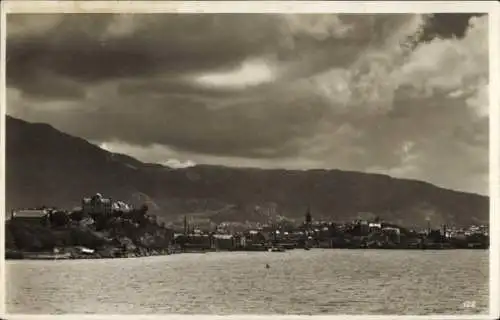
399, 94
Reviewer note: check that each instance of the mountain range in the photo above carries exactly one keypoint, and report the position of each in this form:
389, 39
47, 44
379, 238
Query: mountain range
45, 166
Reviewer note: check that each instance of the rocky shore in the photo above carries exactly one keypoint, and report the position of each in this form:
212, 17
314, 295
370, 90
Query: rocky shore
75, 253
134, 234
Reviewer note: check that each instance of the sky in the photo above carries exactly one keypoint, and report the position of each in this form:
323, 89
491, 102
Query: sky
404, 95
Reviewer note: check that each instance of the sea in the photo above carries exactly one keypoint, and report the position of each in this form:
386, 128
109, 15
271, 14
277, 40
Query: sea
317, 281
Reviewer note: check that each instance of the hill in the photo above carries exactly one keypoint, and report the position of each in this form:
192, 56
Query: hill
47, 167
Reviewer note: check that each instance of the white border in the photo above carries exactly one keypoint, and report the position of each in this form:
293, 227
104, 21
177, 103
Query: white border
494, 99
243, 317
3, 99
490, 7
246, 6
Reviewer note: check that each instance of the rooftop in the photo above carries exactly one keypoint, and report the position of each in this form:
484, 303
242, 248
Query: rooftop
30, 213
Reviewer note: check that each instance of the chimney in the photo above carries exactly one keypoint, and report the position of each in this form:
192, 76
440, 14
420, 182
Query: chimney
185, 225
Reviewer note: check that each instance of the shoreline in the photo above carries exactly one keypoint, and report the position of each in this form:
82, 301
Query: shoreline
36, 256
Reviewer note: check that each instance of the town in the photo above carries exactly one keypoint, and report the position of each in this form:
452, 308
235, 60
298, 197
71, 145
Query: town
102, 228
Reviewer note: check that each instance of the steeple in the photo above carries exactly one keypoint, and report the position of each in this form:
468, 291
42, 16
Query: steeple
308, 219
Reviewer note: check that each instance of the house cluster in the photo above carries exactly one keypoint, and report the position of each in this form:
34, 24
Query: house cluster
305, 235
464, 232
360, 233
98, 205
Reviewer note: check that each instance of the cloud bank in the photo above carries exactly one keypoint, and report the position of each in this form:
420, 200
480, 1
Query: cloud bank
402, 94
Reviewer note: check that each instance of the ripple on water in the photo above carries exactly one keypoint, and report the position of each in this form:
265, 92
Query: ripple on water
298, 282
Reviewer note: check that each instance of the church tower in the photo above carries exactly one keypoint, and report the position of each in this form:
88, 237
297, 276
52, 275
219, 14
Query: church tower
308, 218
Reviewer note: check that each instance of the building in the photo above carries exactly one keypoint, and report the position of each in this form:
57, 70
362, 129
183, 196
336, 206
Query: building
32, 216
198, 241
392, 234
374, 226
120, 206
97, 205
256, 236
364, 227
223, 242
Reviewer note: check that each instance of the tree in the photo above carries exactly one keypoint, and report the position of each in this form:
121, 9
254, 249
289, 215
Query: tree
118, 213
10, 243
76, 215
144, 209
59, 218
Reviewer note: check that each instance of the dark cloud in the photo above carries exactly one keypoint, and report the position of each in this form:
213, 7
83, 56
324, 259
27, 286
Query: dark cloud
445, 25
98, 47
398, 94
101, 46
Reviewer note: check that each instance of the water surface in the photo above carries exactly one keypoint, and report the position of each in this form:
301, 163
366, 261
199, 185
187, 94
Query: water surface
297, 282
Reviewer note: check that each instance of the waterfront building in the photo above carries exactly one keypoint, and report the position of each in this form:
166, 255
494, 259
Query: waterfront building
198, 241
256, 236
392, 234
241, 243
223, 242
